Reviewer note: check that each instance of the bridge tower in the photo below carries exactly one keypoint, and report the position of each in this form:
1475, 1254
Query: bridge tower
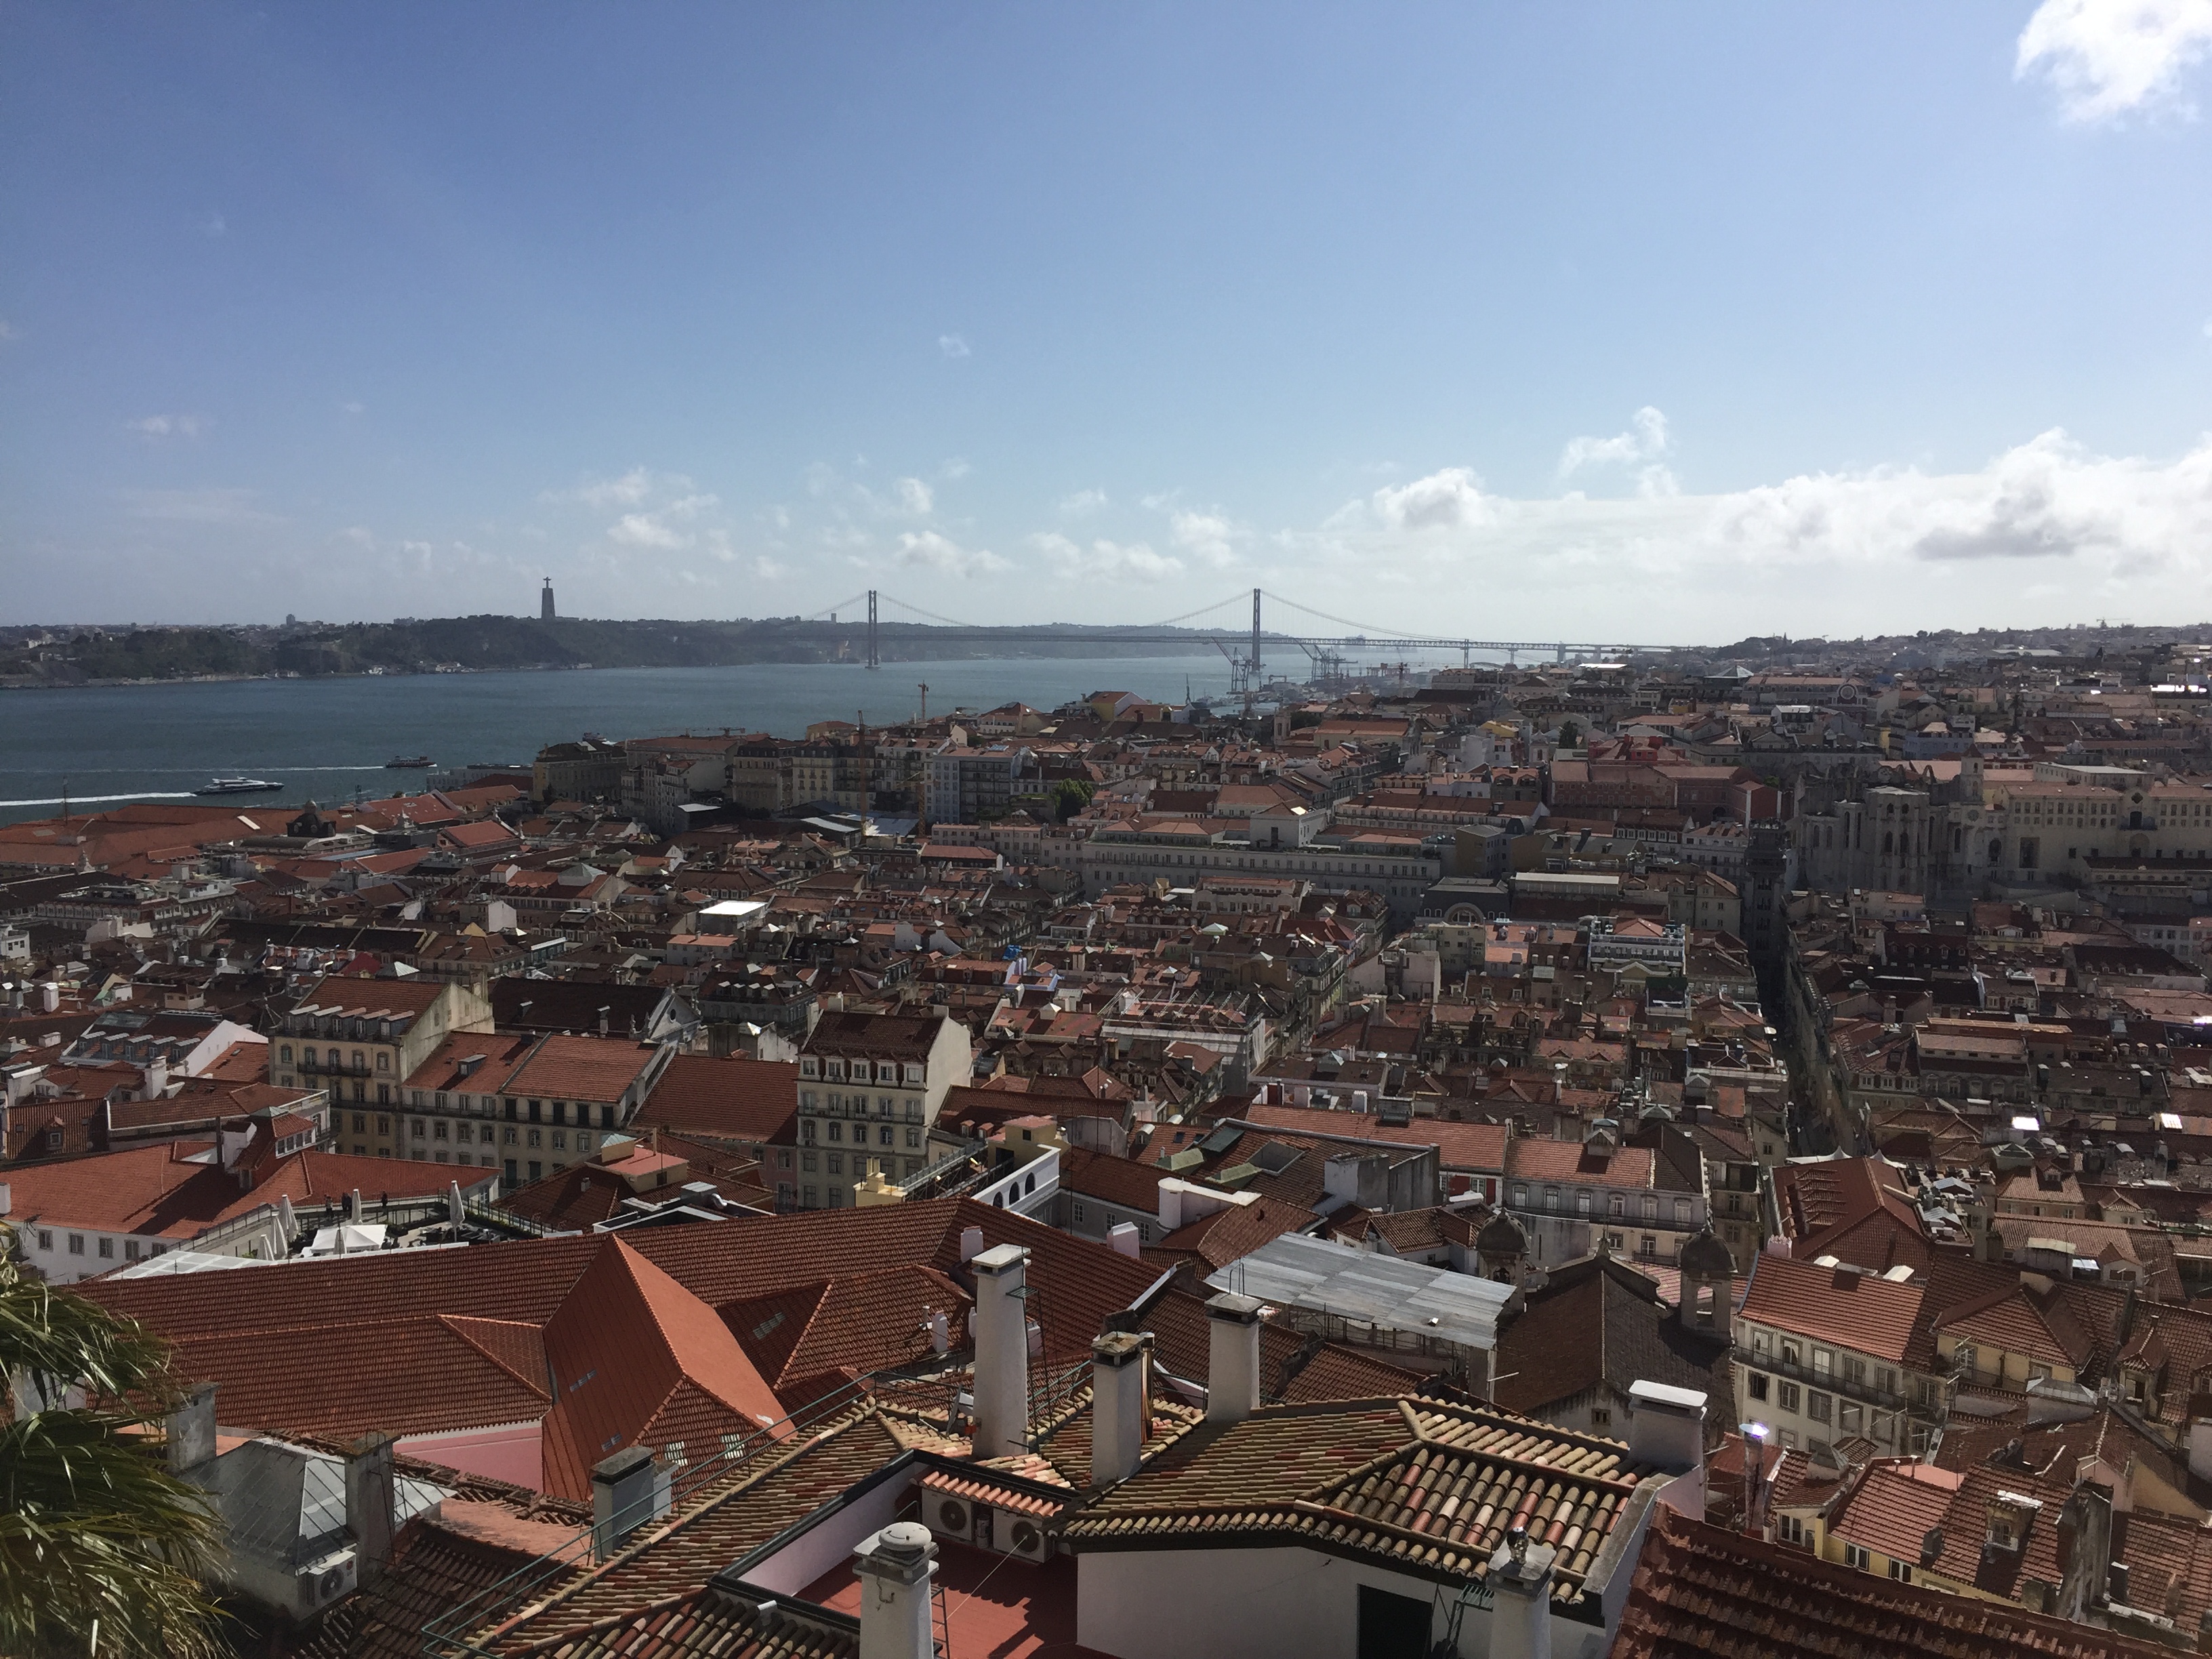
873, 663
1253, 683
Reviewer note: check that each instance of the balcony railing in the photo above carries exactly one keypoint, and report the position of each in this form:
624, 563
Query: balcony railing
1830, 1381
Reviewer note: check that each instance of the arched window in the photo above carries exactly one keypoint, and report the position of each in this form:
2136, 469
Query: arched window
1888, 843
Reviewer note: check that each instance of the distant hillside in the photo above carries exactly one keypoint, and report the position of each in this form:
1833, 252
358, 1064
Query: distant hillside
68, 657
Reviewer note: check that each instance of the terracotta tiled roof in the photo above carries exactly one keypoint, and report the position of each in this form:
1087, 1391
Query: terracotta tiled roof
1429, 1487
580, 1068
1570, 1160
732, 1099
152, 1191
2018, 1321
1855, 1209
1599, 1324
1894, 1508
985, 1491
1122, 1181
712, 1528
1459, 1146
638, 1360
1842, 1305
1699, 1591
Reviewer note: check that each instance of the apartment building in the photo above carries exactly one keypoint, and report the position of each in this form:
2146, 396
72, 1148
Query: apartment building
869, 1089
1822, 1356
1401, 869
1646, 1202
362, 1038
527, 1106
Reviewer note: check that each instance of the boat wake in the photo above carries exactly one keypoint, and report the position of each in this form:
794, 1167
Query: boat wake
80, 800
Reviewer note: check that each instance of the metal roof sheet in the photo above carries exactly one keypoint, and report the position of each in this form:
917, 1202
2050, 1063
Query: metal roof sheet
1305, 1272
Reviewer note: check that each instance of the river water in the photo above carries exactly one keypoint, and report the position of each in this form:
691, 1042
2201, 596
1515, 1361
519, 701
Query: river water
325, 739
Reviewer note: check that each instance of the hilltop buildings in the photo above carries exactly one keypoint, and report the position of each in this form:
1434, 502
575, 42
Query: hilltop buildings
1521, 1185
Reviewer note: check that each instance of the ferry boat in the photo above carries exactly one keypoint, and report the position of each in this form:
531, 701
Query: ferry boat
238, 787
401, 762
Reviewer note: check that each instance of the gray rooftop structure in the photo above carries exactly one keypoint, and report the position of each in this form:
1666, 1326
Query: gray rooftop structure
1369, 1299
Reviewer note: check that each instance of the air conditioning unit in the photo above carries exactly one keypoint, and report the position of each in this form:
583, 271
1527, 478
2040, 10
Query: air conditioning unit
1023, 1536
949, 1517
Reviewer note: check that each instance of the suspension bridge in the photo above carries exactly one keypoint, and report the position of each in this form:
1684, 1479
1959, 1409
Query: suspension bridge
1243, 647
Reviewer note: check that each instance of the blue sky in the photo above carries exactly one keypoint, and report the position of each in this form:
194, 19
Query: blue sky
1663, 323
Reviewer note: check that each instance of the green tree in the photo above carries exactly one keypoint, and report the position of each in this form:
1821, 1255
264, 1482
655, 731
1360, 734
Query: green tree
1570, 736
1069, 797
95, 1532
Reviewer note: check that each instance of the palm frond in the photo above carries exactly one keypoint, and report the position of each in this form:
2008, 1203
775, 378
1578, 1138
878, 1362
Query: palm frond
92, 1527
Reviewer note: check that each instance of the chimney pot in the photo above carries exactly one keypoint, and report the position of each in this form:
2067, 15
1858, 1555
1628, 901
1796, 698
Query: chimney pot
1119, 1362
897, 1565
1232, 1380
627, 1489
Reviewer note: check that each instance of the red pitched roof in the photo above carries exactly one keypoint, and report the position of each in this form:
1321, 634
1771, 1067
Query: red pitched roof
1852, 1310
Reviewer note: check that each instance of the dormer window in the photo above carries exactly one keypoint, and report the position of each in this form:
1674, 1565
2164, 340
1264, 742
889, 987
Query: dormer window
808, 1066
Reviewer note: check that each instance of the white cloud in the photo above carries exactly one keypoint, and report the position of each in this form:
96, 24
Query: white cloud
926, 549
8, 330
359, 536
1451, 499
663, 528
164, 426
646, 530
915, 498
954, 470
1106, 561
1639, 447
2107, 57
632, 487
1208, 537
213, 225
953, 345
1090, 501
352, 407
2046, 532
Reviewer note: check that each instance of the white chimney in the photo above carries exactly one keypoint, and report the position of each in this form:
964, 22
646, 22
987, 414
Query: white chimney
1521, 1614
971, 1245
157, 1079
7, 1198
368, 1506
2200, 1447
1122, 1237
1119, 1361
1002, 1351
1666, 1430
1232, 1376
894, 1567
49, 998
